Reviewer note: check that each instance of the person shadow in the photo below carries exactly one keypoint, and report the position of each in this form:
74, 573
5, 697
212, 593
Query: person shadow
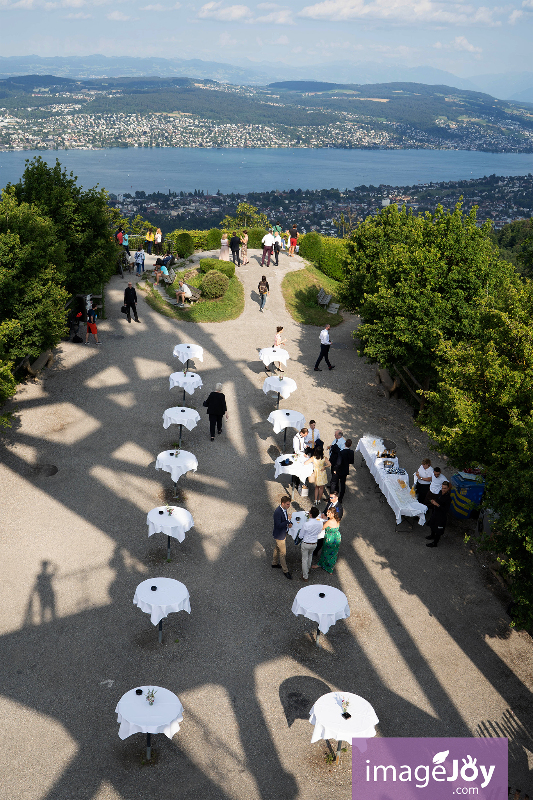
42, 599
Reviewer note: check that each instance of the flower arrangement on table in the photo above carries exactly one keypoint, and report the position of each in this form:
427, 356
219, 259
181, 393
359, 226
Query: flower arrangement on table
150, 696
169, 510
345, 704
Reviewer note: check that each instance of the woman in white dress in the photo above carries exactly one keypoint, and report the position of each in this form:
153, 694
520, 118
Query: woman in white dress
224, 248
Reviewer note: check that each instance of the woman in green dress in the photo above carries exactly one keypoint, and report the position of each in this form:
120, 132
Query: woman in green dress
332, 541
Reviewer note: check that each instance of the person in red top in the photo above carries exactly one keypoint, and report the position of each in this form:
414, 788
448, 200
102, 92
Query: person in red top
120, 236
91, 324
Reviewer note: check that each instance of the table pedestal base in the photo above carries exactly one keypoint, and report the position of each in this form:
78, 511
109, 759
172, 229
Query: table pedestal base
148, 746
338, 754
160, 631
318, 637
168, 546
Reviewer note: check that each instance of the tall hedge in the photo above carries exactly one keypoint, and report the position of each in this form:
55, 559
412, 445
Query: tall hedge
226, 267
255, 236
311, 246
331, 261
213, 239
184, 244
199, 239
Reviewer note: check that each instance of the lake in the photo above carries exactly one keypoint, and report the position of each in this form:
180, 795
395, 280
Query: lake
246, 170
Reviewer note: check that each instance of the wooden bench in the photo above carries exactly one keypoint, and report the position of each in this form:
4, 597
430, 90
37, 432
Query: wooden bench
323, 299
333, 308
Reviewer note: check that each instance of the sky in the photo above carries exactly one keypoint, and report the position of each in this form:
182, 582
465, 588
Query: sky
465, 38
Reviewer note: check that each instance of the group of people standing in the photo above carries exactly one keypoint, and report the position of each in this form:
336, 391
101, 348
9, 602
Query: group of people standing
153, 239
433, 490
274, 241
238, 247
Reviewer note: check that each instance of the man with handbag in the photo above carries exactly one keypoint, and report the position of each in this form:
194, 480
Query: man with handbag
282, 524
130, 302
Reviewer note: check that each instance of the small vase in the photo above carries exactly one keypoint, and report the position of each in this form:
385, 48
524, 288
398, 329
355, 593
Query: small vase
346, 715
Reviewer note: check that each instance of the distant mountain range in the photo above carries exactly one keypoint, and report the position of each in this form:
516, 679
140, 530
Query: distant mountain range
509, 86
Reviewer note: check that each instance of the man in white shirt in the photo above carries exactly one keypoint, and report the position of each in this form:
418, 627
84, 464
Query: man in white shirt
434, 487
325, 344
339, 441
277, 247
268, 243
312, 434
310, 533
298, 443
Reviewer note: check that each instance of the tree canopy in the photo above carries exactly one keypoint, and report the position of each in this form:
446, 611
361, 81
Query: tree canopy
246, 216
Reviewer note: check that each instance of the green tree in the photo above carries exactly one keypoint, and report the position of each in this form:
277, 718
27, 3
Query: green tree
246, 216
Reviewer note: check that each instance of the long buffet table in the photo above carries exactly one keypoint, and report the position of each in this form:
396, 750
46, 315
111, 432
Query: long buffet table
400, 500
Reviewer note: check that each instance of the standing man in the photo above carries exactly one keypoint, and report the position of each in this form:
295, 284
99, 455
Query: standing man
293, 240
277, 247
341, 471
325, 344
282, 524
441, 505
334, 503
434, 487
268, 242
130, 301
235, 247
312, 436
91, 324
310, 532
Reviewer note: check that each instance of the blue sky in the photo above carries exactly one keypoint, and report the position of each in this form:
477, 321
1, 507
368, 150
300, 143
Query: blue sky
462, 37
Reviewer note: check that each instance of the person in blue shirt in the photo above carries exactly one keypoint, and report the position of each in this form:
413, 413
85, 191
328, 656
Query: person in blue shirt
125, 242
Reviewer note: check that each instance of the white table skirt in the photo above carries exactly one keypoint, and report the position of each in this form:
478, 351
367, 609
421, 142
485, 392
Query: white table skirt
270, 354
399, 499
326, 716
285, 386
325, 611
189, 382
175, 525
186, 351
178, 415
177, 467
298, 467
170, 596
284, 418
135, 715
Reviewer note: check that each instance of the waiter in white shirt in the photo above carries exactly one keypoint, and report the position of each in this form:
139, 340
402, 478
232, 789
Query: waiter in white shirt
313, 528
298, 448
325, 344
434, 487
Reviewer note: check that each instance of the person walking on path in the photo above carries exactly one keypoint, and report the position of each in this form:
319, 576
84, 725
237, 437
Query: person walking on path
235, 246
325, 344
282, 524
268, 243
264, 290
216, 408
244, 248
310, 532
91, 324
130, 301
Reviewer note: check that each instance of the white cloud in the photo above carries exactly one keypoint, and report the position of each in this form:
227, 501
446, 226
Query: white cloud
402, 11
78, 15
281, 17
214, 10
118, 16
514, 16
460, 43
267, 6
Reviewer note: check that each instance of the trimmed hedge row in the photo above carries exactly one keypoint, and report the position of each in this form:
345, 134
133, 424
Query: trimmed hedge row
199, 239
325, 252
226, 267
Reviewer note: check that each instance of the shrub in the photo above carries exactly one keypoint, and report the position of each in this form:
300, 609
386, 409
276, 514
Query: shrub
311, 246
184, 244
331, 261
215, 284
255, 235
226, 267
199, 239
213, 239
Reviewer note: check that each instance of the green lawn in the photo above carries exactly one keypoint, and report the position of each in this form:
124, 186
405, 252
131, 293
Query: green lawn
230, 306
300, 290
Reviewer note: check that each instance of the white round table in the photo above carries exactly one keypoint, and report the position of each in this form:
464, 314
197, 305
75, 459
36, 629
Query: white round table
136, 715
175, 525
326, 610
326, 716
188, 381
298, 466
177, 466
179, 415
187, 351
270, 354
283, 418
167, 597
283, 386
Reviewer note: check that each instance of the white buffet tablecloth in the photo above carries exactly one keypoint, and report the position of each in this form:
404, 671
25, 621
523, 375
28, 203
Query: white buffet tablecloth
136, 715
176, 524
177, 467
178, 415
169, 596
400, 500
285, 386
190, 381
270, 354
326, 716
298, 467
325, 611
186, 351
284, 418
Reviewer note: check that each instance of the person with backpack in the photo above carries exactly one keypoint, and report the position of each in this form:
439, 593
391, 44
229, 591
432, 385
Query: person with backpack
264, 290
91, 324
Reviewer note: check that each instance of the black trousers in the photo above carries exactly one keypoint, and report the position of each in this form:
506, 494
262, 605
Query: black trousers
437, 529
276, 253
131, 307
338, 484
215, 420
235, 254
324, 354
421, 491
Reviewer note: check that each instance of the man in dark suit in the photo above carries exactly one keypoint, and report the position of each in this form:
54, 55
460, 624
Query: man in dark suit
341, 470
235, 247
130, 301
437, 523
282, 524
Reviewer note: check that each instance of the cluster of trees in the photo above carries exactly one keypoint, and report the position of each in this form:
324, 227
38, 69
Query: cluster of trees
437, 298
55, 241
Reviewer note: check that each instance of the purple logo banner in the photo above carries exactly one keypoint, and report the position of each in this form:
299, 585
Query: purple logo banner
430, 769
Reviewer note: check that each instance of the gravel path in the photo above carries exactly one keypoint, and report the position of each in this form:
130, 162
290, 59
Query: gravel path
427, 643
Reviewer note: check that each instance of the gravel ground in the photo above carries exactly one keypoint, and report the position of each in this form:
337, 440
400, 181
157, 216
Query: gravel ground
427, 643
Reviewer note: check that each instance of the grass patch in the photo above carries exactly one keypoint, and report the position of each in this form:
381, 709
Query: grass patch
300, 291
230, 306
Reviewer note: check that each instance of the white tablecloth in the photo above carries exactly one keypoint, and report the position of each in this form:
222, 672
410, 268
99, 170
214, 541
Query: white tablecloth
175, 525
181, 416
190, 381
285, 386
298, 467
399, 499
170, 596
136, 715
283, 418
326, 716
298, 519
270, 354
325, 611
177, 467
186, 351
